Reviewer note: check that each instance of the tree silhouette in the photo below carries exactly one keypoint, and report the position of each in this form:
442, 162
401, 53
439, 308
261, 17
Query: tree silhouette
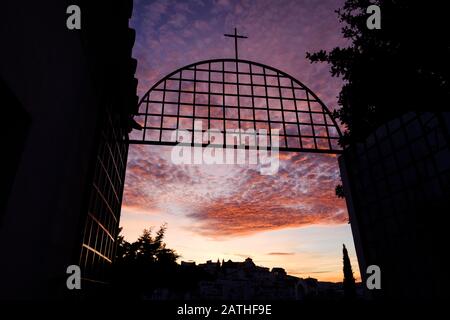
144, 264
149, 249
339, 190
147, 264
123, 249
349, 280
402, 66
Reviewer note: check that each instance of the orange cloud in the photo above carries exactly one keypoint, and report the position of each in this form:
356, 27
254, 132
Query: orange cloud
230, 200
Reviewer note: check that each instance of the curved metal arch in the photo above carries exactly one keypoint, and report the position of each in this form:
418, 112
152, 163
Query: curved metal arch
325, 141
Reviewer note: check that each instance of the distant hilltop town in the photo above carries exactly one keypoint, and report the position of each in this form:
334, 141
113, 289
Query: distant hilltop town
246, 281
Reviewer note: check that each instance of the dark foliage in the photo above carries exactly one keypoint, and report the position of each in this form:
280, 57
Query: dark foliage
401, 67
147, 264
339, 190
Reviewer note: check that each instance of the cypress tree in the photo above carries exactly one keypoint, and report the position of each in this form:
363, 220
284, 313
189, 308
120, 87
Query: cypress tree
349, 280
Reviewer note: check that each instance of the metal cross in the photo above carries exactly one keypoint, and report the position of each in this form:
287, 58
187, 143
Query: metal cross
235, 36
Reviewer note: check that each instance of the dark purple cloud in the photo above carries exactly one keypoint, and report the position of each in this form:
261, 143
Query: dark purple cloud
281, 253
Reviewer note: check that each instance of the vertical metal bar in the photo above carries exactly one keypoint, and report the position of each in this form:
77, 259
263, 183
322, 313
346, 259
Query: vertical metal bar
296, 114
223, 106
179, 102
209, 101
162, 111
267, 105
146, 112
238, 100
282, 110
193, 106
326, 128
235, 44
311, 119
253, 106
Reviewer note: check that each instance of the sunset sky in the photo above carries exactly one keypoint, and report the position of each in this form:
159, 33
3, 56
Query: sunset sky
292, 219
